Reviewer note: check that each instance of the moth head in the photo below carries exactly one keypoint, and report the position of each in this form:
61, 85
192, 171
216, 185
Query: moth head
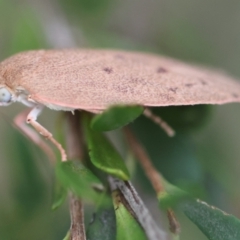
6, 96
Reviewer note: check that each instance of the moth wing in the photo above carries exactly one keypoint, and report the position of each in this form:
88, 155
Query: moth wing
96, 79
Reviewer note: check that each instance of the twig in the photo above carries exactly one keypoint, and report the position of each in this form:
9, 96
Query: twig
159, 121
74, 136
146, 163
142, 214
77, 229
152, 174
75, 150
174, 225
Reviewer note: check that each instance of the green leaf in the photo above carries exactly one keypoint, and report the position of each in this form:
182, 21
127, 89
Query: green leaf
172, 195
59, 195
115, 117
103, 155
214, 223
127, 226
76, 177
103, 225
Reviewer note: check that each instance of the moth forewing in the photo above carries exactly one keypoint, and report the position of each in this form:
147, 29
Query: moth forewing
93, 80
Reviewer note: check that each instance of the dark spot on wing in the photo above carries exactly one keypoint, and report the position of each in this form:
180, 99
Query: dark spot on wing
174, 90
189, 85
161, 70
108, 70
137, 80
235, 95
203, 82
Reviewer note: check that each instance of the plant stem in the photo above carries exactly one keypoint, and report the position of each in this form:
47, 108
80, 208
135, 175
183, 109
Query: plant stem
74, 136
75, 150
77, 229
153, 231
144, 160
152, 174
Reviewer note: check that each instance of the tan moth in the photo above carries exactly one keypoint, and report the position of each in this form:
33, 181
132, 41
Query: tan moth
93, 80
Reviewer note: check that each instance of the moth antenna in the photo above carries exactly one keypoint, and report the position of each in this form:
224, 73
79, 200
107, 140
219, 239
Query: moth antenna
160, 122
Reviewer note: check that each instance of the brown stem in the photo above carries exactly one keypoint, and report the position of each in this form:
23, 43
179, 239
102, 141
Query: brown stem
75, 150
152, 174
77, 229
74, 136
160, 122
146, 163
152, 230
174, 225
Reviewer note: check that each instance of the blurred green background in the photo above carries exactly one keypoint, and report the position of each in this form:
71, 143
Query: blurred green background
204, 156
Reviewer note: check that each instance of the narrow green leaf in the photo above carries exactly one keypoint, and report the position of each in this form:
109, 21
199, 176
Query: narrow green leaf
127, 226
103, 155
115, 117
103, 225
59, 195
214, 223
76, 177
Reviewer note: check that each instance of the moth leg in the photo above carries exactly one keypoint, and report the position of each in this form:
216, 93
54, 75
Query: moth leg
156, 119
32, 119
20, 123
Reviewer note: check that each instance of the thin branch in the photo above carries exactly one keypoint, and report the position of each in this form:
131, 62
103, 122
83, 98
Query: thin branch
174, 225
75, 150
146, 163
160, 122
77, 229
152, 174
142, 214
74, 136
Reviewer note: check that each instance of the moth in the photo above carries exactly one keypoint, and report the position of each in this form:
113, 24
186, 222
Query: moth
92, 80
